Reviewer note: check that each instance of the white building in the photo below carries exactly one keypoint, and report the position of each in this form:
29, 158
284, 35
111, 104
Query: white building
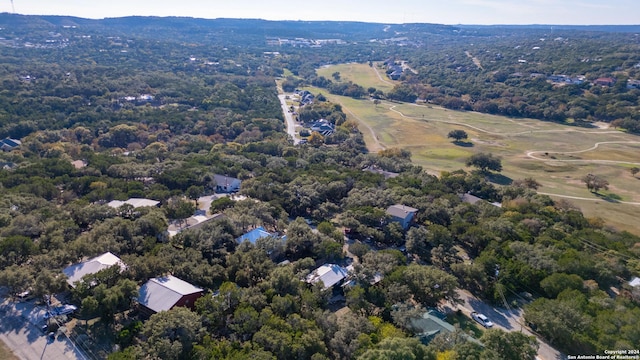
76, 272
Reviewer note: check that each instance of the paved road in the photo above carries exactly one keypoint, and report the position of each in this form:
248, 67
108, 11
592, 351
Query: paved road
505, 320
291, 124
19, 331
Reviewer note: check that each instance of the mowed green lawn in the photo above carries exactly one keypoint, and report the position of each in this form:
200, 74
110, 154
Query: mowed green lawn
361, 74
423, 130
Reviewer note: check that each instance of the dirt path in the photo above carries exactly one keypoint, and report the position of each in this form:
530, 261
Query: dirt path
594, 147
380, 77
599, 132
587, 199
475, 60
377, 146
531, 154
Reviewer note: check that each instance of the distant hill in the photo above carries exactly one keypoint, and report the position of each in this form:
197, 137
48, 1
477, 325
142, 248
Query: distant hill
253, 32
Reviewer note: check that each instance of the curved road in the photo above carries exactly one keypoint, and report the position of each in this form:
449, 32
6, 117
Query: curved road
380, 77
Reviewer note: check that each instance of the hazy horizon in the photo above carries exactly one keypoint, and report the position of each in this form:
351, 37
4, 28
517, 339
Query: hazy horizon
452, 12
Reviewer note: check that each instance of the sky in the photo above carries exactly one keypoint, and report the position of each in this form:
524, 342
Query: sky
483, 12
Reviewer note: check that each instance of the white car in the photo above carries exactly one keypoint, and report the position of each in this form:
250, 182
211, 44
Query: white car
60, 310
481, 319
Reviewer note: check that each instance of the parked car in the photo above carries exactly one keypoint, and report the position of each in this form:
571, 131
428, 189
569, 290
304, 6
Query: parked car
61, 310
25, 296
481, 319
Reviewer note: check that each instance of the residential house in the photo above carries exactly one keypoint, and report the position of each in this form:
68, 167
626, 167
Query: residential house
605, 81
79, 164
432, 323
226, 184
9, 144
376, 170
135, 202
256, 234
635, 282
328, 274
7, 165
429, 325
394, 71
165, 293
633, 84
472, 199
76, 272
193, 222
402, 214
306, 97
324, 127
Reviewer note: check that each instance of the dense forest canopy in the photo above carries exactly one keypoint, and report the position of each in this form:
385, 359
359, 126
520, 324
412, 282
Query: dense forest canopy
155, 108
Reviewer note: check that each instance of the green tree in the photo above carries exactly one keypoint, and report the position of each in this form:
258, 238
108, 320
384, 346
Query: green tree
634, 170
457, 135
179, 209
595, 182
417, 242
194, 192
396, 348
509, 345
221, 204
88, 308
15, 249
430, 285
16, 278
484, 162
556, 283
171, 334
558, 321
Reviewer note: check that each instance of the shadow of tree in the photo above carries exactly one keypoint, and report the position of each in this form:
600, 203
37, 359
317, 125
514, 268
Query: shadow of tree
582, 124
612, 198
499, 179
464, 143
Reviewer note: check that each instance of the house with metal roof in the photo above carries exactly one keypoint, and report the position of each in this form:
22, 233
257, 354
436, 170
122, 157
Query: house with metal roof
165, 293
431, 324
226, 184
9, 144
329, 274
254, 235
135, 202
76, 272
402, 214
193, 222
472, 199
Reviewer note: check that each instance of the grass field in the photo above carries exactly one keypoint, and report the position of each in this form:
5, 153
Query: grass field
5, 353
361, 74
556, 155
